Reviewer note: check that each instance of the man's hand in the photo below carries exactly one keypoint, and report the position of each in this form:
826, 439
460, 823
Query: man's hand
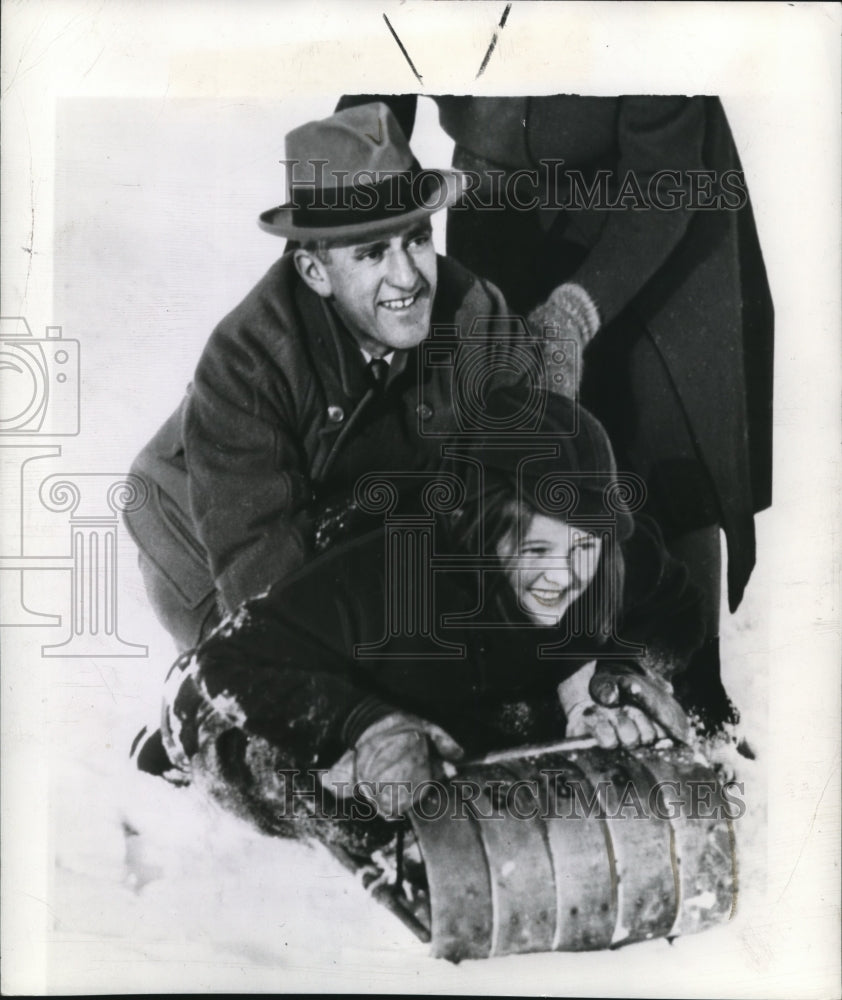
390, 760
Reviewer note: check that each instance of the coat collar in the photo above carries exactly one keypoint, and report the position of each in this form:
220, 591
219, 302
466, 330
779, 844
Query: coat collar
351, 361
334, 351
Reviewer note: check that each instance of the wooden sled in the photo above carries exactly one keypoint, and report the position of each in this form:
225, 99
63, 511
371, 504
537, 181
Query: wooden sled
561, 848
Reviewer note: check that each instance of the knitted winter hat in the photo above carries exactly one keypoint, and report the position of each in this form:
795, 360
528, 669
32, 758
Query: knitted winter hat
562, 466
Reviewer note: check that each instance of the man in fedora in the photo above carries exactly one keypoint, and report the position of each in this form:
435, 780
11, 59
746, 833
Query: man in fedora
313, 379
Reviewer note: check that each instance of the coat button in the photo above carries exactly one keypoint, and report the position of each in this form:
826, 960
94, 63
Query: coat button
424, 411
335, 414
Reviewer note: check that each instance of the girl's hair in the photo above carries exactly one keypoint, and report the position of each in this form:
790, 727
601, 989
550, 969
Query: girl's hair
482, 522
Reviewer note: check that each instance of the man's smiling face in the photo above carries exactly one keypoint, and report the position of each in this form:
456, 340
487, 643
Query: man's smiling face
384, 289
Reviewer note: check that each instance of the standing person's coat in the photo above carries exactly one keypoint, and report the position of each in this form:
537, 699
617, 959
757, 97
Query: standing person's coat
680, 372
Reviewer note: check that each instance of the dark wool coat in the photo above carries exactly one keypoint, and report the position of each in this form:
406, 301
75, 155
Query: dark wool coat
680, 373
288, 669
280, 417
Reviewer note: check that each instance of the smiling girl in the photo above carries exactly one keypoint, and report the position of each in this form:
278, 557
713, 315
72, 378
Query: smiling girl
584, 587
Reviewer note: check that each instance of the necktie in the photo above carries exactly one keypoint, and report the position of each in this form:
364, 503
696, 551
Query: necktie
378, 370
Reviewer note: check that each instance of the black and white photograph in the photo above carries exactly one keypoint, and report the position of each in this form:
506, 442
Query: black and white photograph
419, 553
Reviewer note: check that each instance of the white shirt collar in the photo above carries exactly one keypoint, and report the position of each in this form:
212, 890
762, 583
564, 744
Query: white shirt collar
370, 357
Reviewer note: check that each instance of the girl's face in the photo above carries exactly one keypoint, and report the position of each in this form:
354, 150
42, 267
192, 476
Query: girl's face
551, 567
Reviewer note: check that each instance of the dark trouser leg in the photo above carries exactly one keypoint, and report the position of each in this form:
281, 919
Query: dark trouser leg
700, 687
699, 550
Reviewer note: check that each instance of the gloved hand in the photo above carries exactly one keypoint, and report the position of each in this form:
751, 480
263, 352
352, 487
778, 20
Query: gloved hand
615, 684
390, 760
573, 313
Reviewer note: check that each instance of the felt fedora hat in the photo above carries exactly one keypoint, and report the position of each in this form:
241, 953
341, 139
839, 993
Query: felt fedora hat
352, 177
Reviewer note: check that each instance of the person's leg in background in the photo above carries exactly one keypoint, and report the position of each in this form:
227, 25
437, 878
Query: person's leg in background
700, 686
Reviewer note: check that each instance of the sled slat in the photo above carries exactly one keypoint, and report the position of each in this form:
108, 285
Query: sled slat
522, 883
704, 839
458, 878
646, 885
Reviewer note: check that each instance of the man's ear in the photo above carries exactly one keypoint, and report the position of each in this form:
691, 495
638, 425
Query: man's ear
313, 272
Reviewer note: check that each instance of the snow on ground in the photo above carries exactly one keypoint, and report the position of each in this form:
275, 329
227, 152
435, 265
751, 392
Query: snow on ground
156, 889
